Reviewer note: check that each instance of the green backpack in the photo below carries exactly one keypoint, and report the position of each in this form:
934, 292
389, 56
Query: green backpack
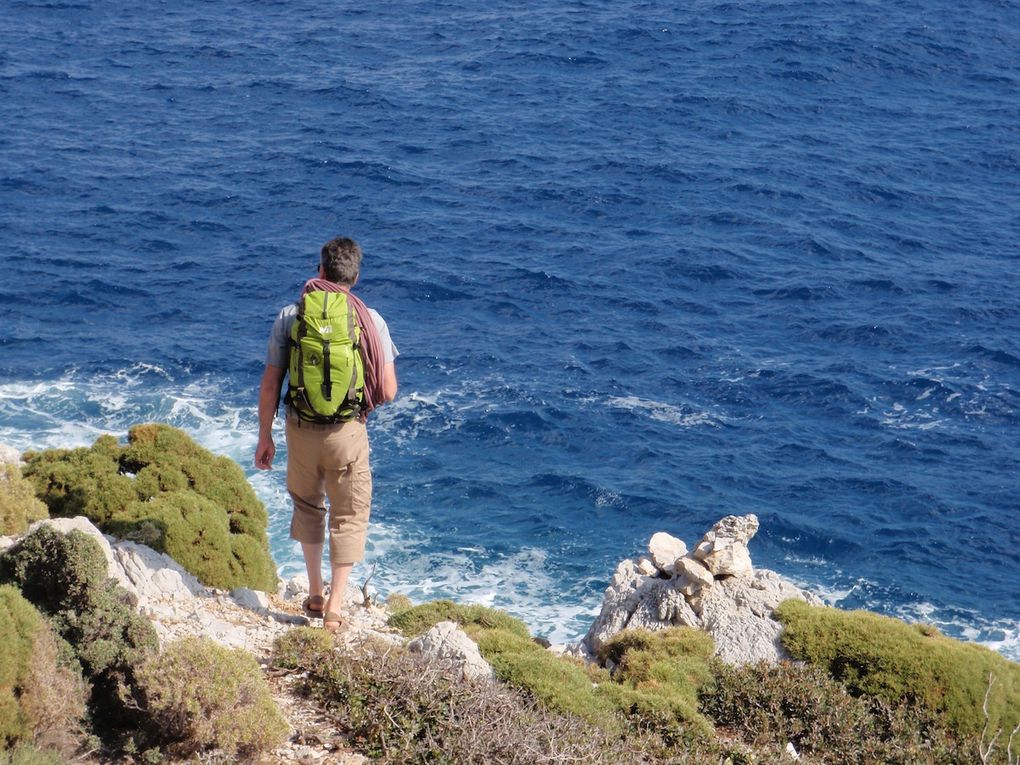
326, 379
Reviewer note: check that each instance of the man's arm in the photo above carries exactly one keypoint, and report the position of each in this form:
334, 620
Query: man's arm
389, 382
269, 400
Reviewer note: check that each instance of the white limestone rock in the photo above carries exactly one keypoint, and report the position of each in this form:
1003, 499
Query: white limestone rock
9, 455
664, 550
447, 642
693, 574
734, 560
637, 601
621, 598
738, 613
151, 575
253, 600
645, 567
723, 549
733, 602
295, 588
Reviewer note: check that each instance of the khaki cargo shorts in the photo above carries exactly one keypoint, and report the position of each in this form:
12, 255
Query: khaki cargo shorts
330, 461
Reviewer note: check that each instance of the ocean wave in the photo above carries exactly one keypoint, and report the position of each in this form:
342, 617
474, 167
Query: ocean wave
680, 415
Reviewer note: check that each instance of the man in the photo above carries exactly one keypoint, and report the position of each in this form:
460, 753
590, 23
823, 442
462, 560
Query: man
328, 459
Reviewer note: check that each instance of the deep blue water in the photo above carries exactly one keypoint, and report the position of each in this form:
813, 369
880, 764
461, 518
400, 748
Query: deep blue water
646, 264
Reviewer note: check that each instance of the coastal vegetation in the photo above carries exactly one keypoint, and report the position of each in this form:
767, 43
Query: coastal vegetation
18, 504
653, 686
397, 707
65, 577
82, 668
868, 689
83, 662
962, 687
163, 490
42, 693
201, 696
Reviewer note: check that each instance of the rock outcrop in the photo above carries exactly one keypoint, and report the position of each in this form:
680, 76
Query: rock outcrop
180, 606
9, 455
714, 587
447, 642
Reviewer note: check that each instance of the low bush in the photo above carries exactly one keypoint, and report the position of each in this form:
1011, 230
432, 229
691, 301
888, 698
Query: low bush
18, 504
65, 576
774, 704
42, 694
414, 621
200, 696
888, 660
291, 648
164, 490
396, 707
397, 602
655, 686
556, 682
657, 678
55, 571
31, 755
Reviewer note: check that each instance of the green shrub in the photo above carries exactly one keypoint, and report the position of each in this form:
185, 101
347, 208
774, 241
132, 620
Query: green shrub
166, 491
556, 682
419, 619
30, 755
42, 695
195, 532
396, 707
18, 504
886, 659
65, 576
655, 685
200, 695
55, 571
802, 704
397, 602
292, 647
658, 675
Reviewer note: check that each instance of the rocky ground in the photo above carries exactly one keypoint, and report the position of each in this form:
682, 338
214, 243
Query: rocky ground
712, 586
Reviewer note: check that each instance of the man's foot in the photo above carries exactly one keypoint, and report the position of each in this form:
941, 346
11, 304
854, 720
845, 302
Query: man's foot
314, 605
332, 621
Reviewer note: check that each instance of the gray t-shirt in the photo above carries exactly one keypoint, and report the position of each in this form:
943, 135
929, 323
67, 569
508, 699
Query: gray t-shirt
278, 353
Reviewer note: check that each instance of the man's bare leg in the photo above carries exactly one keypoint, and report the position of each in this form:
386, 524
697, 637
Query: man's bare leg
337, 588
313, 564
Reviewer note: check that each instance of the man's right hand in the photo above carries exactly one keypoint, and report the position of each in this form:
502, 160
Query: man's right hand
264, 453
269, 400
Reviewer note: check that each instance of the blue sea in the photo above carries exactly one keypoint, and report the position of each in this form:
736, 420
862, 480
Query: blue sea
647, 264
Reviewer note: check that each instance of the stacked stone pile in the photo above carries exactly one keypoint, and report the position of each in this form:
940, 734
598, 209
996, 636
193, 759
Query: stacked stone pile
712, 587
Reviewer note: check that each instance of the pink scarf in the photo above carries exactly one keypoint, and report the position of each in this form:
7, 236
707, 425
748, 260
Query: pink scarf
371, 346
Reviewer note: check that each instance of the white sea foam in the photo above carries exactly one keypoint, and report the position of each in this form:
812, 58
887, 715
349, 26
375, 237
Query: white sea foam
662, 412
75, 410
517, 582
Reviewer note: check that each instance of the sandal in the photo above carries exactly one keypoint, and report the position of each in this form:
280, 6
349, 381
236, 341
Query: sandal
313, 605
332, 617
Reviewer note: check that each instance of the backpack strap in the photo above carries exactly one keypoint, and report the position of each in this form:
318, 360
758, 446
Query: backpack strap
352, 393
327, 382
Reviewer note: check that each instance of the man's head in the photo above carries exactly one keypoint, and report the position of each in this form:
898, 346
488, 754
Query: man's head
341, 260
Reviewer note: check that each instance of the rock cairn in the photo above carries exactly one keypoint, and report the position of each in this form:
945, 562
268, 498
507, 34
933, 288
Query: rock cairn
713, 587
